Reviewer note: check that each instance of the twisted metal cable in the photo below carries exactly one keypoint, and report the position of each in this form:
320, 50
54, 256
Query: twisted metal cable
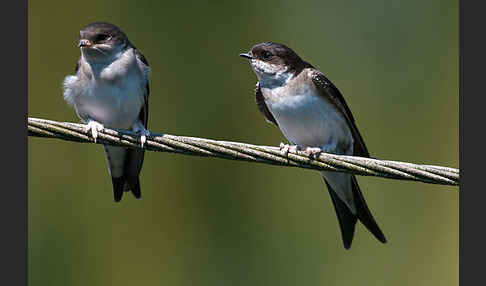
247, 152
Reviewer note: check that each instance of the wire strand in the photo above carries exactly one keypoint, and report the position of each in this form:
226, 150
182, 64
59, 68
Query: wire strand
247, 152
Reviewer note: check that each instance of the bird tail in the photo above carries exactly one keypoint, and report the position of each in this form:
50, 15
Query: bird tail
124, 166
347, 219
133, 184
122, 184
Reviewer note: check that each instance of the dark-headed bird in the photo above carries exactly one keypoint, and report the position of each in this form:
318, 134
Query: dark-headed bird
110, 88
312, 114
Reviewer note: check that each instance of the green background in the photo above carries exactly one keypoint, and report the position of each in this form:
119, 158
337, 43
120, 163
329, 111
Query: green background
208, 221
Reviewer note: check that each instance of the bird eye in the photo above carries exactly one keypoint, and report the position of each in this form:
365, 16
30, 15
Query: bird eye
267, 55
102, 37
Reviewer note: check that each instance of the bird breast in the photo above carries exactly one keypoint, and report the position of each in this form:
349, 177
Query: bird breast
114, 105
308, 119
112, 95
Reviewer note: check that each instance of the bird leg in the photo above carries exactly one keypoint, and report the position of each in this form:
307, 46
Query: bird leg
313, 150
95, 127
144, 133
286, 148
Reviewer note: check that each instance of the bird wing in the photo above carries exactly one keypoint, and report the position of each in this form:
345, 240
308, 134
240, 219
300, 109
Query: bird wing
330, 92
144, 112
260, 101
134, 157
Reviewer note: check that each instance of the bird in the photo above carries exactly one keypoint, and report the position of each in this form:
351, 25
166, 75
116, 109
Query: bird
110, 88
314, 117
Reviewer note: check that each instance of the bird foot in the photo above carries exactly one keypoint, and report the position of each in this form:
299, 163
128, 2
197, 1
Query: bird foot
95, 127
144, 133
286, 148
313, 151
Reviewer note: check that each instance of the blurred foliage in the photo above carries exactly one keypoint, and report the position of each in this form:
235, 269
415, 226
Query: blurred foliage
215, 222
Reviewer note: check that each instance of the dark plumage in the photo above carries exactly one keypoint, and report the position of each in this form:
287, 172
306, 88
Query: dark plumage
112, 96
295, 96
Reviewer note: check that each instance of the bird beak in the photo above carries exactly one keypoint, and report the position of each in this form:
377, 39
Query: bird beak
85, 43
247, 55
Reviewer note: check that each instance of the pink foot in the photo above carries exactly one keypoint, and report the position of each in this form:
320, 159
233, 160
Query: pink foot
313, 150
286, 148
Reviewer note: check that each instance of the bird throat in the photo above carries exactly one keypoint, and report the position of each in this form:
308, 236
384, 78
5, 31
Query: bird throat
270, 75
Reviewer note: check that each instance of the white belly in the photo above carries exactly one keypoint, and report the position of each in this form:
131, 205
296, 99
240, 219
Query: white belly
309, 120
115, 106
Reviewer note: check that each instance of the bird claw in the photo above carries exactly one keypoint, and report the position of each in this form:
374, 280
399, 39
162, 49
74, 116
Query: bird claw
313, 151
95, 127
286, 148
144, 133
143, 137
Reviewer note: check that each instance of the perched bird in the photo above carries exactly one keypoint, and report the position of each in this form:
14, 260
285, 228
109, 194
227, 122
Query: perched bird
110, 88
312, 114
